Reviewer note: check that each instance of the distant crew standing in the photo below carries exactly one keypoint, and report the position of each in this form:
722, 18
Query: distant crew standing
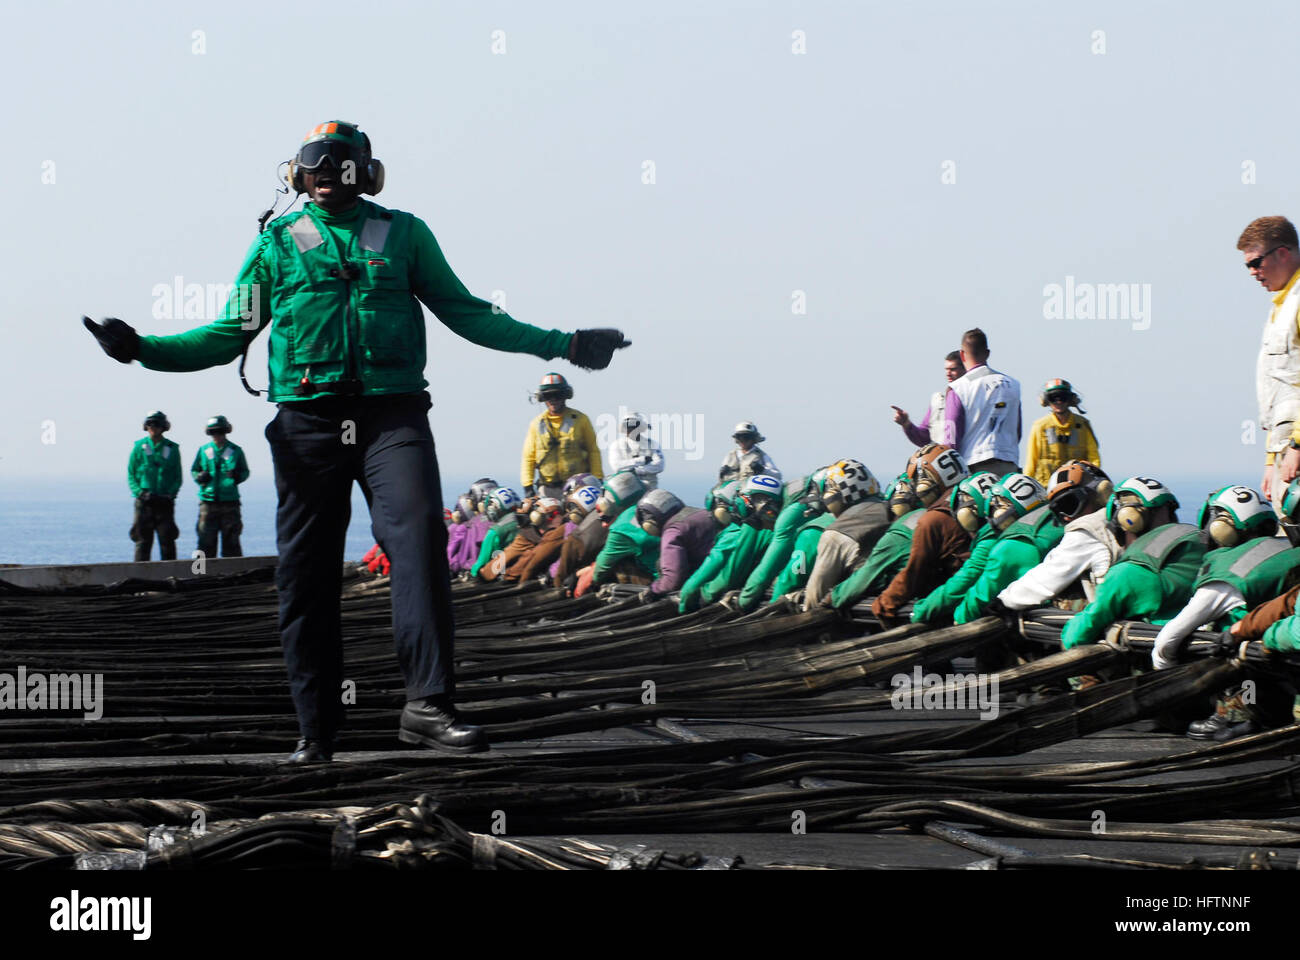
219, 467
560, 442
940, 423
748, 459
153, 473
989, 414
1270, 245
1061, 436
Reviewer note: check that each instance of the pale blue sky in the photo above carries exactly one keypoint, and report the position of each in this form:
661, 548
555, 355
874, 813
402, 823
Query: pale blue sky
775, 172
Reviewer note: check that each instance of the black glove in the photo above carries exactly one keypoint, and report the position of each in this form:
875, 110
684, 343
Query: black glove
119, 340
203, 477
144, 497
997, 608
570, 584
593, 349
647, 596
529, 492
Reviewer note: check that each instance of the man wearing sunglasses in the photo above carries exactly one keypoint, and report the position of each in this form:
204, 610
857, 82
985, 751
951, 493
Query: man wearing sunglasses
1272, 253
340, 284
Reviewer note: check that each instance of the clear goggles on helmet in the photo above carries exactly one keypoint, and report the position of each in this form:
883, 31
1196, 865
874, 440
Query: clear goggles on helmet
312, 155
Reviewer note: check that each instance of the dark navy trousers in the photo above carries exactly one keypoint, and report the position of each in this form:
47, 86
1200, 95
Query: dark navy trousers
319, 448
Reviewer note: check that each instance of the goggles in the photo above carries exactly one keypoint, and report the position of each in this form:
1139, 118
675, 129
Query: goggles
312, 155
1071, 503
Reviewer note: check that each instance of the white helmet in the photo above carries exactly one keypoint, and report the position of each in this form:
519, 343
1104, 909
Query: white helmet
747, 428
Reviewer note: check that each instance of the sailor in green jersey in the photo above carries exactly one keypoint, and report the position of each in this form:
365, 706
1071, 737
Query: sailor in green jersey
970, 502
153, 474
1026, 531
219, 468
802, 559
739, 547
1247, 565
796, 521
630, 553
499, 507
1152, 580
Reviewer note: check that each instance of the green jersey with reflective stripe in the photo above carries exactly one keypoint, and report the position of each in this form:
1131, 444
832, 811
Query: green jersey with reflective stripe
1152, 581
802, 559
154, 468
1260, 569
499, 536
626, 541
1017, 550
792, 519
943, 599
226, 468
341, 293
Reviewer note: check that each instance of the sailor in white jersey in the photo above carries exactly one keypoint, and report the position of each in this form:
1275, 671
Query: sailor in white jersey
989, 410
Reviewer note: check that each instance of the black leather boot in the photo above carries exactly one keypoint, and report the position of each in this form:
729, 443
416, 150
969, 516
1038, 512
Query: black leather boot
432, 722
1221, 729
311, 751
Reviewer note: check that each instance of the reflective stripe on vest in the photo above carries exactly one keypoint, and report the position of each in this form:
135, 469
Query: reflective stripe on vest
375, 234
543, 427
305, 233
1252, 558
1160, 545
1026, 528
912, 519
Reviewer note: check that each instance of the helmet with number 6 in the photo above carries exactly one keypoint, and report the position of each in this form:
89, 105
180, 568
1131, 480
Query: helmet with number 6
1129, 508
1012, 497
655, 509
581, 502
848, 482
500, 503
970, 500
1076, 488
936, 472
758, 501
1234, 515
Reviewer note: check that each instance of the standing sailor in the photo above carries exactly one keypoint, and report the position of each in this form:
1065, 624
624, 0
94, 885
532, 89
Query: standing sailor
560, 442
219, 468
748, 459
1270, 246
634, 449
1061, 436
153, 472
990, 410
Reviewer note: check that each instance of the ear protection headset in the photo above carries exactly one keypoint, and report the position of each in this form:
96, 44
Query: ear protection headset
370, 169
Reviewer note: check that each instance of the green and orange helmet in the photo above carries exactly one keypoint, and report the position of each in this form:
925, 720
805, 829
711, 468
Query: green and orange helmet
1056, 387
343, 145
553, 387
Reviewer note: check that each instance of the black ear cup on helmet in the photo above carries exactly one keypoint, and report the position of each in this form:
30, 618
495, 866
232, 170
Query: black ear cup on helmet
374, 177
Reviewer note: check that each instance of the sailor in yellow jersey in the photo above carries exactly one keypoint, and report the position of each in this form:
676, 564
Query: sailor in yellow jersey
1272, 254
1061, 436
559, 443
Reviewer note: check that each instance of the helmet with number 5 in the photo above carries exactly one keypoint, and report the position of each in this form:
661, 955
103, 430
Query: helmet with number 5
501, 502
1012, 497
1129, 508
970, 500
936, 472
1234, 515
848, 482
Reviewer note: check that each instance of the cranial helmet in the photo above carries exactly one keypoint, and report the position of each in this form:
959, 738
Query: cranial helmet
655, 509
621, 491
719, 501
1056, 388
1234, 515
758, 501
902, 497
554, 387
1012, 497
747, 428
936, 472
1077, 487
501, 502
1129, 508
848, 482
970, 500
342, 145
580, 480
217, 424
581, 501
159, 418
464, 509
545, 511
